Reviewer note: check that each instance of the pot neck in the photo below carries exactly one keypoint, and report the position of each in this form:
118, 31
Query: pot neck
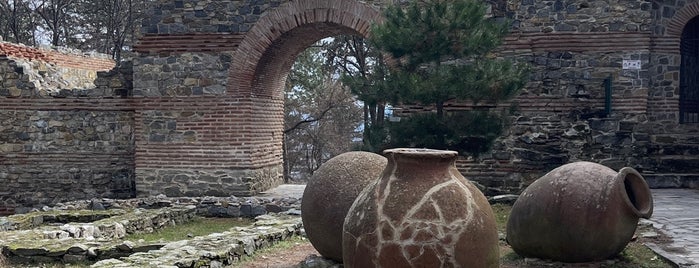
635, 192
410, 160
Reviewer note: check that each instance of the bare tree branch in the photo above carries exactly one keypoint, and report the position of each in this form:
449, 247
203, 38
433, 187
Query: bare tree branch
308, 121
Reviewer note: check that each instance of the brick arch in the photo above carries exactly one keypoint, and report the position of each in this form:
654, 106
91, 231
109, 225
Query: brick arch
680, 19
264, 57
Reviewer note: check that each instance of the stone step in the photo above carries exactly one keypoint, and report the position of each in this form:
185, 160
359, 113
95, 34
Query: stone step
672, 180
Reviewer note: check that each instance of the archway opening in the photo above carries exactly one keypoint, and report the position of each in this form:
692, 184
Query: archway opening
321, 126
264, 58
689, 73
268, 90
325, 113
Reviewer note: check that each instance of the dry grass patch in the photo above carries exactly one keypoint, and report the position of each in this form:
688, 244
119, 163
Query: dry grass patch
198, 226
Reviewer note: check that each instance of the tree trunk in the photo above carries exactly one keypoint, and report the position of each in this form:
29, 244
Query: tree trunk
367, 126
366, 116
14, 27
285, 160
381, 114
372, 114
441, 139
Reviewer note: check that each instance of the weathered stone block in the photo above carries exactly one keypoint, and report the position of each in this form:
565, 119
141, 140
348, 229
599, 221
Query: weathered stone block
665, 139
14, 92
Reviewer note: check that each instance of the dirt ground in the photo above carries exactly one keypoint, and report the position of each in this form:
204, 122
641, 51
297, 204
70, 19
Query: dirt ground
283, 258
291, 257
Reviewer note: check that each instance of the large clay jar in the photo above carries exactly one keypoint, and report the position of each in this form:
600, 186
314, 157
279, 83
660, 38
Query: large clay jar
329, 195
579, 212
421, 213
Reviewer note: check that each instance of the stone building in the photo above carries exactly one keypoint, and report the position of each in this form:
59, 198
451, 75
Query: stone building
612, 81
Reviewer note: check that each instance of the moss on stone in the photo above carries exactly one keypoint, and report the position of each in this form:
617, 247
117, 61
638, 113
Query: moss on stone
35, 219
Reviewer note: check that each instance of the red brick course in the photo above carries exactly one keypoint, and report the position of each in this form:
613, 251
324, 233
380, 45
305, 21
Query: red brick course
55, 57
680, 19
545, 104
194, 42
270, 40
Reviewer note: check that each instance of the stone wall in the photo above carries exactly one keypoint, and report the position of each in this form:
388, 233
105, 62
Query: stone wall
49, 156
186, 74
65, 130
232, 129
580, 16
643, 130
204, 105
195, 182
207, 145
572, 47
226, 16
183, 17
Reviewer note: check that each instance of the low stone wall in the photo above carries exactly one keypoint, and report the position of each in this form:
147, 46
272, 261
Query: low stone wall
207, 206
215, 250
37, 219
70, 233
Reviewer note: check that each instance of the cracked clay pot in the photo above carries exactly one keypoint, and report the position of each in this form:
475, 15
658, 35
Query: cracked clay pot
329, 195
421, 213
579, 212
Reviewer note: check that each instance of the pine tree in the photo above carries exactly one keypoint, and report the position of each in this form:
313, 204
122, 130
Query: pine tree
442, 51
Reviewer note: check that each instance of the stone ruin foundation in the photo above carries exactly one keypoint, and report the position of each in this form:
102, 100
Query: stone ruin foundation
93, 231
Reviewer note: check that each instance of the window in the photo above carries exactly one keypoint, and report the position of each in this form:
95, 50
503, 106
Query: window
689, 73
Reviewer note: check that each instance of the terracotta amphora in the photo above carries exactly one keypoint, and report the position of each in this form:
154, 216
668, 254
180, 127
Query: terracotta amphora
421, 213
579, 212
329, 195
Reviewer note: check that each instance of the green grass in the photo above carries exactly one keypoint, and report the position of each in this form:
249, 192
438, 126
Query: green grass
502, 212
196, 227
642, 257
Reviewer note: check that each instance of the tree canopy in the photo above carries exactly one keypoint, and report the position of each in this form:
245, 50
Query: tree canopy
442, 51
106, 26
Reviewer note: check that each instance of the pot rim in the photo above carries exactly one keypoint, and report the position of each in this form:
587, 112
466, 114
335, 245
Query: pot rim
631, 180
421, 152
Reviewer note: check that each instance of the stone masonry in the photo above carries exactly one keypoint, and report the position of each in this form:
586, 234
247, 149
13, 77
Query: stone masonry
226, 61
200, 110
50, 152
25, 71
